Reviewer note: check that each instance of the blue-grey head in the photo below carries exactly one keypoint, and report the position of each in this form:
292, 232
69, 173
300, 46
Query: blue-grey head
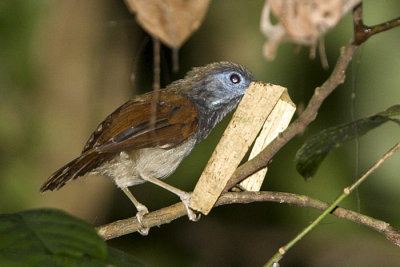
216, 89
218, 85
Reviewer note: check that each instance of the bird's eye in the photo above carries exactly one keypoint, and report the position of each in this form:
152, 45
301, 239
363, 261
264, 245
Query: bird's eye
234, 78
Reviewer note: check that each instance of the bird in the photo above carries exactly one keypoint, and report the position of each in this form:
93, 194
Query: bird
146, 139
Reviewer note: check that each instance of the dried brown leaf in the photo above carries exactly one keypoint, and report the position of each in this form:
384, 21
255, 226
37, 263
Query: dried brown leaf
171, 21
301, 21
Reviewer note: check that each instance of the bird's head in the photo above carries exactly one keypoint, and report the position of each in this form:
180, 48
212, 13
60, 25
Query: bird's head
216, 86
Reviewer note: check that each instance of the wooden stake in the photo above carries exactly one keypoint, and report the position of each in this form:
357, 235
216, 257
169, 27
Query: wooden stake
252, 112
276, 123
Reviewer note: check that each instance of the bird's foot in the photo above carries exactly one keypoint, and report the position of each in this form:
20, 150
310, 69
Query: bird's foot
185, 198
142, 210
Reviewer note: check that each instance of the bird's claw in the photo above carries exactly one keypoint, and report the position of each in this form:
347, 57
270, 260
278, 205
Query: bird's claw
191, 214
142, 210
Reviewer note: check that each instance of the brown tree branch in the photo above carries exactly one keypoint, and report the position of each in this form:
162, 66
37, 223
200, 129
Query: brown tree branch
298, 126
362, 32
168, 214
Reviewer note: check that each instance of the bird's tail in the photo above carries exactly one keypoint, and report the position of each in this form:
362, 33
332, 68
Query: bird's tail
72, 170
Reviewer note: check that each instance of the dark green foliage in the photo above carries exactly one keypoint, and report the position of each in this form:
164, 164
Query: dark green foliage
315, 149
48, 237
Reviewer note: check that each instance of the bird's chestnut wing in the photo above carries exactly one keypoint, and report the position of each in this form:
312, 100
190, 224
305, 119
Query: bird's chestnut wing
154, 119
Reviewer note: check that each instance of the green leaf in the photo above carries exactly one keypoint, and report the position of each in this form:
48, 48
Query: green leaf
48, 237
314, 150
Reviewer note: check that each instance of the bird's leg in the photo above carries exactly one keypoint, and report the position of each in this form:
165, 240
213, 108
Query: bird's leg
184, 196
141, 210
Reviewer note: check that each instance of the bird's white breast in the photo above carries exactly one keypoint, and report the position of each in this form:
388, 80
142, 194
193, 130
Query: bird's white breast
127, 168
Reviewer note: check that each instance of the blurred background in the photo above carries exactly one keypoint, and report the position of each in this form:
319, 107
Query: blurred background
65, 65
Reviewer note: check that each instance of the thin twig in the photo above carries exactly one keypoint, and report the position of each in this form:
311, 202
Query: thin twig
156, 64
156, 81
388, 154
278, 255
